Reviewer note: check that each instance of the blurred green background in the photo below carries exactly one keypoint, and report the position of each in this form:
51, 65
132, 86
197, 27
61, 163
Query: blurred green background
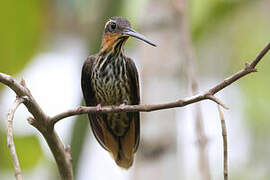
225, 34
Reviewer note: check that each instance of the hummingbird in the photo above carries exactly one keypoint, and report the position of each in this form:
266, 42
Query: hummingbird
111, 78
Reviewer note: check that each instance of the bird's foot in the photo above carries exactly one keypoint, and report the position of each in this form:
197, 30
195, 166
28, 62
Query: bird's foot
122, 106
99, 107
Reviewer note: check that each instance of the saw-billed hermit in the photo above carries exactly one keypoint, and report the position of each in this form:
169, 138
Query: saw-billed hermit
111, 78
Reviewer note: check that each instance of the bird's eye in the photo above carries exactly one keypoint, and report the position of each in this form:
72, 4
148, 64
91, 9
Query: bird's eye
112, 26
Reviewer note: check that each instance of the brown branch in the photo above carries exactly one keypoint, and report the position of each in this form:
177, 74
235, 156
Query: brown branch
131, 108
10, 141
225, 143
249, 68
45, 124
215, 99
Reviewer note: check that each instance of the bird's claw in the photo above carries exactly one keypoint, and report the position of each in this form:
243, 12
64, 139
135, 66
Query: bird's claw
99, 107
122, 106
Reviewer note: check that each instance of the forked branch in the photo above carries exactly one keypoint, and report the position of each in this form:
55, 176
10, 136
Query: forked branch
45, 124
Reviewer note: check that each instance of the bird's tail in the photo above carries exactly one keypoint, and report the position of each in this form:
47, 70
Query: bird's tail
126, 148
122, 148
123, 161
122, 154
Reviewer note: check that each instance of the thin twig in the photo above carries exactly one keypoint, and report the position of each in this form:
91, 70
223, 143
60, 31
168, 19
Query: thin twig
10, 141
215, 99
225, 143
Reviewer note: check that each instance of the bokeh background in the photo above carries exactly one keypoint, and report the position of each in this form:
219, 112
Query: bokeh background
46, 41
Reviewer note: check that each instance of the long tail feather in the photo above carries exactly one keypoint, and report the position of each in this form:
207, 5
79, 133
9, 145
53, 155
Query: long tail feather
126, 148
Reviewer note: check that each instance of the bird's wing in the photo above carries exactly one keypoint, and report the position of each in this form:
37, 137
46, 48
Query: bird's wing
88, 93
135, 98
135, 90
90, 98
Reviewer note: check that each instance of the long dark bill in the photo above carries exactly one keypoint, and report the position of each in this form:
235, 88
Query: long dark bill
131, 32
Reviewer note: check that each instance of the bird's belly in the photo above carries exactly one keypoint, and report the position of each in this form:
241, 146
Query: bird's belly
118, 122
112, 91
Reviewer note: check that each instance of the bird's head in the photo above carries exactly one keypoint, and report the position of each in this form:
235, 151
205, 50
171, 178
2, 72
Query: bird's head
118, 30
